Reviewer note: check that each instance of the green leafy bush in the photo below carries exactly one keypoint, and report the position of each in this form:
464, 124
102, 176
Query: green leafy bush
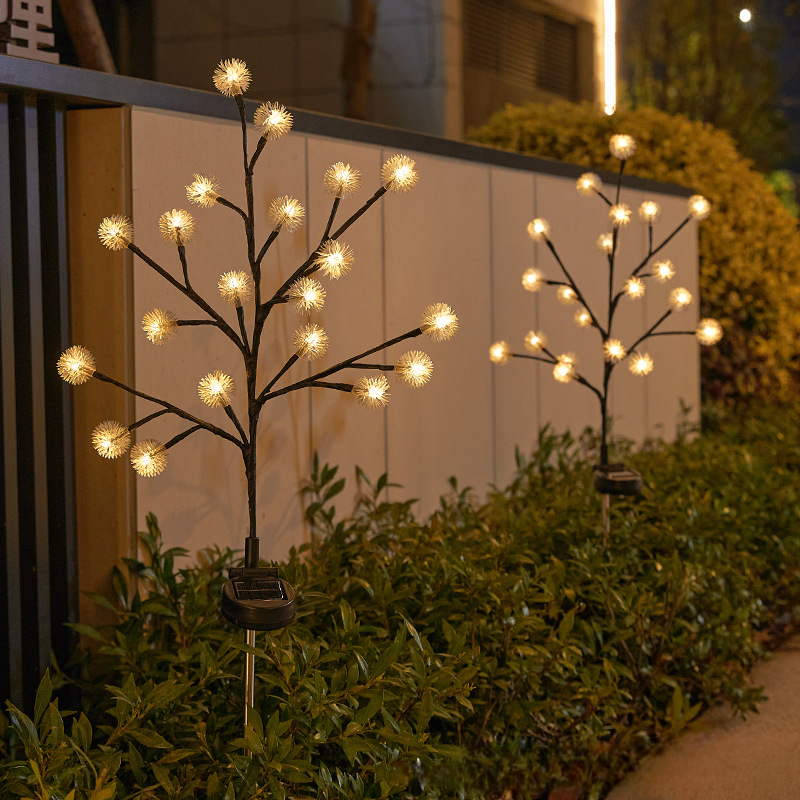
749, 246
495, 648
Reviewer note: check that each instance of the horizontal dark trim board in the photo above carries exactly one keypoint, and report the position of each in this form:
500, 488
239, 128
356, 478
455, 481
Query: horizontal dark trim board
81, 87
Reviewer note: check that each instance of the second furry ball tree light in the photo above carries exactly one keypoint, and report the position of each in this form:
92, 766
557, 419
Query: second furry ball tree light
611, 478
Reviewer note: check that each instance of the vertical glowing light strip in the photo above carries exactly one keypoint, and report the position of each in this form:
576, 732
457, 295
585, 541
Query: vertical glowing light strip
610, 55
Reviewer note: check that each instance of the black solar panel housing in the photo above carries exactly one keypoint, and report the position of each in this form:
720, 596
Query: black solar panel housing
259, 590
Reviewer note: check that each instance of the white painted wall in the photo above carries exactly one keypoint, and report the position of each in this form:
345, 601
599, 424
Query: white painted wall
460, 238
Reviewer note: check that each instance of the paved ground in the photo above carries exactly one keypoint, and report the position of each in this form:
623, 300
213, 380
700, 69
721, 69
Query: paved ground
732, 759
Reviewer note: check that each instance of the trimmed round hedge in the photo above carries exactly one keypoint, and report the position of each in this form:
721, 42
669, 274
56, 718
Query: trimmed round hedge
749, 246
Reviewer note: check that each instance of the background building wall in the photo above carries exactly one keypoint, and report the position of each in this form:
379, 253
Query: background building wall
419, 78
460, 238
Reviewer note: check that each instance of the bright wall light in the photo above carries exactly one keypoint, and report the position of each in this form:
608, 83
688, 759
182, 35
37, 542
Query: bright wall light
610, 55
745, 15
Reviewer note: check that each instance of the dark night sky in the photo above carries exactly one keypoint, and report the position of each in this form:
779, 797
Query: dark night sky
787, 15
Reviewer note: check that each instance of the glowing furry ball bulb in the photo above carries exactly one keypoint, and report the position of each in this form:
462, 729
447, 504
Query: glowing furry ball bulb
176, 226
664, 270
709, 331
372, 392
399, 174
640, 363
534, 342
273, 119
334, 259
619, 214
564, 369
588, 184
341, 180
307, 295
414, 368
649, 212
566, 295
231, 77
613, 350
606, 243
76, 365
634, 287
699, 208
149, 458
216, 389
286, 212
202, 191
679, 299
235, 287
439, 322
499, 353
311, 341
622, 146
532, 280
159, 325
582, 318
116, 232
538, 229
111, 439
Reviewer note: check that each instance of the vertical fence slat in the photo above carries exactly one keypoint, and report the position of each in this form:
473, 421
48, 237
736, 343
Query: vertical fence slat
57, 395
10, 629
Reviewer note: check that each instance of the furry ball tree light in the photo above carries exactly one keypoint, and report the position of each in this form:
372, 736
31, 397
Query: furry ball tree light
255, 597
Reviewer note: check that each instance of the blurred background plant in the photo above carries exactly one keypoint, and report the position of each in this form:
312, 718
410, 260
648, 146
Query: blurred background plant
492, 648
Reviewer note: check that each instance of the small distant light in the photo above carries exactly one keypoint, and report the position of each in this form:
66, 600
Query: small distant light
745, 15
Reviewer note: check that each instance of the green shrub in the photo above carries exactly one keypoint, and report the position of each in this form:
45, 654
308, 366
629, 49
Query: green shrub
749, 246
496, 648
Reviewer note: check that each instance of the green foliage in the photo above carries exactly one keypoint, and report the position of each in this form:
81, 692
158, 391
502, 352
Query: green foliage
701, 61
749, 246
495, 648
782, 183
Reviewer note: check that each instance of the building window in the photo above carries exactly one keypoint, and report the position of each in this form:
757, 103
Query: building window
522, 50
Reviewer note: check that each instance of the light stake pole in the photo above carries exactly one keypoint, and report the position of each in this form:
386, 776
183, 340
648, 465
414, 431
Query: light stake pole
610, 478
256, 598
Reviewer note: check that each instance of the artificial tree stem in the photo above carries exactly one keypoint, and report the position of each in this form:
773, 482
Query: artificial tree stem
611, 262
148, 418
604, 198
663, 244
374, 199
553, 360
334, 209
382, 367
278, 296
235, 420
673, 333
292, 360
191, 322
227, 203
181, 436
243, 117
650, 332
270, 239
572, 284
242, 328
262, 142
619, 177
249, 224
190, 293
266, 395
179, 412
341, 387
184, 265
